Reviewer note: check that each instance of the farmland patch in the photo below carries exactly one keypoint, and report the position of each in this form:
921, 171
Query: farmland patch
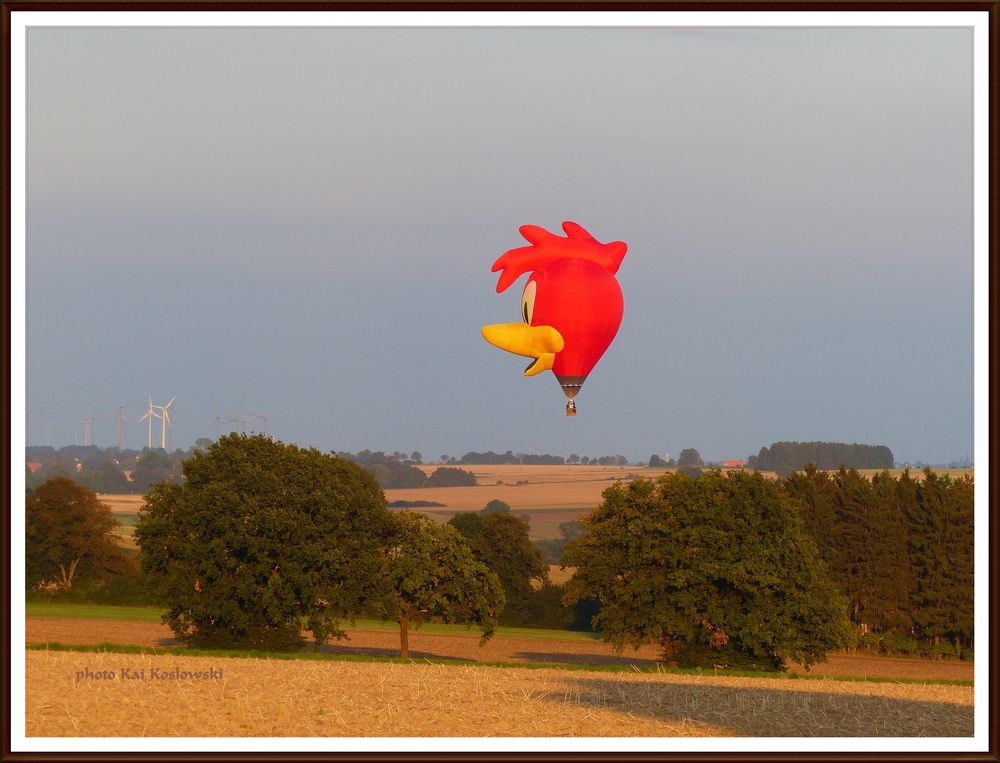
244, 697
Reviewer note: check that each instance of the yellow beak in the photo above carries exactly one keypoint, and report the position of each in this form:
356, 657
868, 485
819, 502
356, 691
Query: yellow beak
538, 342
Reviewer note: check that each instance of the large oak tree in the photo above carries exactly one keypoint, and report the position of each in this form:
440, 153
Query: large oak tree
717, 570
262, 540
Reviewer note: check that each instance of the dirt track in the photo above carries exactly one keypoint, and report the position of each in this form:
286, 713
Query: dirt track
466, 647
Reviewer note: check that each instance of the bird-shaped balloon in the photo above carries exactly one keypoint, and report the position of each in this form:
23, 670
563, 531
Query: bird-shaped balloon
571, 307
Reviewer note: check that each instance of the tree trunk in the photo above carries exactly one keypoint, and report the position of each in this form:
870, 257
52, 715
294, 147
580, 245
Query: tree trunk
404, 632
668, 649
67, 579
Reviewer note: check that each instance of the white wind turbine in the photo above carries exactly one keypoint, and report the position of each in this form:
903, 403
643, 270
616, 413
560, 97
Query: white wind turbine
164, 417
88, 430
45, 427
266, 418
120, 440
150, 415
240, 418
217, 424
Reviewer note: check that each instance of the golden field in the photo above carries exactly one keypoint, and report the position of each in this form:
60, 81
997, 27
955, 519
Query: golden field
163, 695
548, 487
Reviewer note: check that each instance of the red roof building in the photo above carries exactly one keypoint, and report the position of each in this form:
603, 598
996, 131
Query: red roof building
734, 464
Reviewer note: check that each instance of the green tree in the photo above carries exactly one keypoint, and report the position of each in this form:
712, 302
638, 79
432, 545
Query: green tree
941, 538
469, 523
690, 457
450, 476
817, 497
500, 541
716, 570
869, 553
495, 506
552, 548
152, 467
68, 535
262, 540
431, 573
57, 468
109, 478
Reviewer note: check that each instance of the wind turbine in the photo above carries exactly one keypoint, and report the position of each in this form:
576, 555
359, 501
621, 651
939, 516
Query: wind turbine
88, 429
120, 440
265, 417
216, 423
239, 418
46, 428
164, 417
150, 414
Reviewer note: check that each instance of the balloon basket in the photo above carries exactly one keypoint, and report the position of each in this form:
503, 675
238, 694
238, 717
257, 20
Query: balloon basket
570, 408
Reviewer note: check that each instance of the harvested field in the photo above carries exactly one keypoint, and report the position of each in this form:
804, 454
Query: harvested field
122, 503
465, 646
543, 487
577, 488
88, 694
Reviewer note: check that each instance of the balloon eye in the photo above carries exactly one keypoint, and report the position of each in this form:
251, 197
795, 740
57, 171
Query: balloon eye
528, 301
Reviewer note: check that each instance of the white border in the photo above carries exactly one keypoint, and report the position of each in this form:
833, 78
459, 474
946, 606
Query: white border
22, 19
977, 21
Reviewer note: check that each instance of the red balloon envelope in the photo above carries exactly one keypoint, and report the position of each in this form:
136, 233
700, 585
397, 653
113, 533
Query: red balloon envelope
571, 307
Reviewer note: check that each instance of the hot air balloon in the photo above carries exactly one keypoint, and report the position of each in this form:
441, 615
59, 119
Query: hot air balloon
571, 306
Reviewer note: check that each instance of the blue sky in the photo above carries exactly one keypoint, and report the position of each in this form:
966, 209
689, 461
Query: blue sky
303, 221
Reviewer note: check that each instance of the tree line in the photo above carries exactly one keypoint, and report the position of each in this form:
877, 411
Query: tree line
901, 551
737, 569
397, 471
509, 457
104, 470
787, 457
261, 540
114, 471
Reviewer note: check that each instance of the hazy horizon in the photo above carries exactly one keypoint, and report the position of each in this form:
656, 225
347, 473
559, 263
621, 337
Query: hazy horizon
302, 222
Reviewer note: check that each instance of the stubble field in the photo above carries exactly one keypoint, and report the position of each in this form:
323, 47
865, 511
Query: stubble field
104, 694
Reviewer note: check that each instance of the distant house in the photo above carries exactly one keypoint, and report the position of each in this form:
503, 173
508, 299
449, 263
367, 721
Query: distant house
734, 464
34, 466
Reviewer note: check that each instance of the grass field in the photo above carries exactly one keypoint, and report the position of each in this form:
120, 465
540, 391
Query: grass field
93, 611
114, 612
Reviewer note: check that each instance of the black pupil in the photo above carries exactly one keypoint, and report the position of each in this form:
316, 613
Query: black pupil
524, 308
